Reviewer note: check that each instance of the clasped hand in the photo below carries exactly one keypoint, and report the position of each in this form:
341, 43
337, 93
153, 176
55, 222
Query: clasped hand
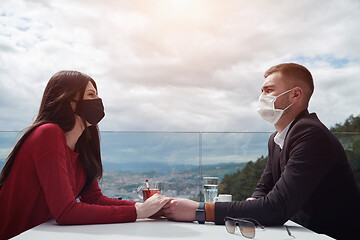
175, 209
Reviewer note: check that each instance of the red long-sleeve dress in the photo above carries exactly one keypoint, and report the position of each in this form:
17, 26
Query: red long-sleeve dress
43, 184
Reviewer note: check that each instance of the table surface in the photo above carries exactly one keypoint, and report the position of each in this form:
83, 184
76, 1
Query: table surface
160, 229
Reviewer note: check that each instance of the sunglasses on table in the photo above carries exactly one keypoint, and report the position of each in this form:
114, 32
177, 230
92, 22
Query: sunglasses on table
246, 225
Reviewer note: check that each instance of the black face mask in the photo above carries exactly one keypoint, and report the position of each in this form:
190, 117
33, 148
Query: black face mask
92, 110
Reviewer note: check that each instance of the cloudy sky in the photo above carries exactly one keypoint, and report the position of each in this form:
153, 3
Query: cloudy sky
178, 65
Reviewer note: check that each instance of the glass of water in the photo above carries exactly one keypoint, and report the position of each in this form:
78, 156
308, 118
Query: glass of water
210, 188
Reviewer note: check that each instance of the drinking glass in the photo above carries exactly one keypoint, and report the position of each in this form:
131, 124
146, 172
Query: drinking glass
147, 189
210, 188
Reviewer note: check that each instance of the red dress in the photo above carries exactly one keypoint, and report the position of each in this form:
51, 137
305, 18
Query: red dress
43, 184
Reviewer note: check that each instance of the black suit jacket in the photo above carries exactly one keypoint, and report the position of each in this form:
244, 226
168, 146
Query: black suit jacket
309, 182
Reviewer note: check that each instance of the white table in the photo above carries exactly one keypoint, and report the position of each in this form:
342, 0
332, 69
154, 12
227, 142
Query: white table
160, 229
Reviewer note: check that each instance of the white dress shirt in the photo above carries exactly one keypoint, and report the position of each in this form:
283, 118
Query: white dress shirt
280, 137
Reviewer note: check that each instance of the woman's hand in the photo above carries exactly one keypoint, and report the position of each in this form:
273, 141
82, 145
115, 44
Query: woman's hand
179, 209
151, 206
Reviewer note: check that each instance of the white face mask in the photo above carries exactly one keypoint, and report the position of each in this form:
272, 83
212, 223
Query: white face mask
266, 108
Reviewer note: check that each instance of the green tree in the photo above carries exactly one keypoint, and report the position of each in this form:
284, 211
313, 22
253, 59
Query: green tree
242, 183
351, 124
348, 134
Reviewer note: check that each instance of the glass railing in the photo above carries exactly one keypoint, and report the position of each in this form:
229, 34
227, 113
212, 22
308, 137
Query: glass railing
177, 159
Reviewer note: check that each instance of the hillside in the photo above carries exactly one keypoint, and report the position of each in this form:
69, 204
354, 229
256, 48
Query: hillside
348, 134
242, 183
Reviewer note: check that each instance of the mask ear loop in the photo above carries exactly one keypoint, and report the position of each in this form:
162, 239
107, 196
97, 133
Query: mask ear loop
290, 103
75, 112
287, 107
275, 98
72, 101
284, 93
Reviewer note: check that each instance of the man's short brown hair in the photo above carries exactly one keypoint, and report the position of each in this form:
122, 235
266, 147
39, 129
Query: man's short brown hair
295, 72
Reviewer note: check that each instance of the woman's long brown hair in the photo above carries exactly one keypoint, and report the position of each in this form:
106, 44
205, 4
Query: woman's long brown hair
56, 108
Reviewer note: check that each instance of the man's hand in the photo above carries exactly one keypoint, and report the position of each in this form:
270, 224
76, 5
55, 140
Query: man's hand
179, 209
151, 206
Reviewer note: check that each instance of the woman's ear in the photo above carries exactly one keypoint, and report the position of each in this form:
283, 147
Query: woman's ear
73, 105
74, 101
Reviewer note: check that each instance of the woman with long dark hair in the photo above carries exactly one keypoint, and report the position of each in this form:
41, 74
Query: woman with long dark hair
54, 169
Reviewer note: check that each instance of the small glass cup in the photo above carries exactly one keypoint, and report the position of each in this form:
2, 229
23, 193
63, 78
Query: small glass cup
147, 189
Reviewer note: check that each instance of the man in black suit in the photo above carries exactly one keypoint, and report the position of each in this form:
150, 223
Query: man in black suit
307, 178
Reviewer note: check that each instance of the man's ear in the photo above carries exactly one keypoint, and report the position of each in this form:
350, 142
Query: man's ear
297, 94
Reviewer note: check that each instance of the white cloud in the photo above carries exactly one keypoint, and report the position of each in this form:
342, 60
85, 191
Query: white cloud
178, 65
